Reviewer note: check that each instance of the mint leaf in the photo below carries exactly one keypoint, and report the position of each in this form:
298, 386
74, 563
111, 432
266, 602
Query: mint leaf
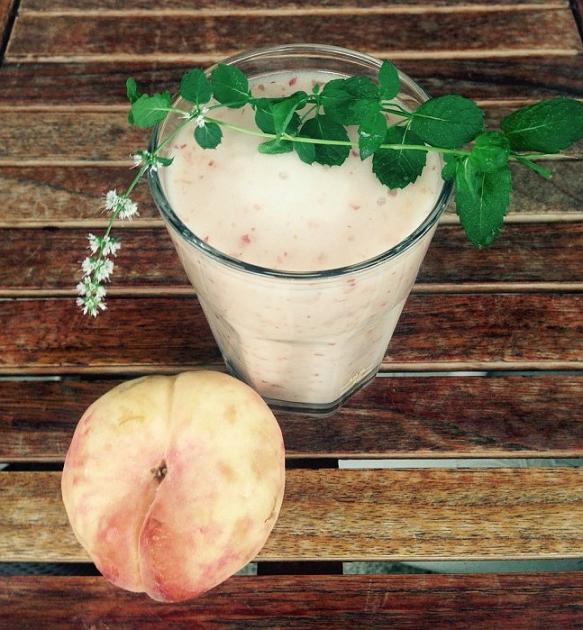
490, 152
337, 101
195, 87
148, 110
230, 86
349, 101
481, 200
306, 152
364, 108
450, 167
396, 168
366, 98
371, 134
284, 111
323, 127
133, 95
533, 166
548, 126
448, 121
361, 87
389, 83
273, 147
264, 115
209, 135
132, 90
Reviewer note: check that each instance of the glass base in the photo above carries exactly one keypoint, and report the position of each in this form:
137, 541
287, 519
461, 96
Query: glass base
307, 408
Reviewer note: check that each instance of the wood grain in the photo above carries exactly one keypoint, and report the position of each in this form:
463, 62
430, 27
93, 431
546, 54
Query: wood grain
376, 601
512, 416
378, 514
507, 330
73, 195
65, 84
48, 259
451, 331
242, 5
61, 36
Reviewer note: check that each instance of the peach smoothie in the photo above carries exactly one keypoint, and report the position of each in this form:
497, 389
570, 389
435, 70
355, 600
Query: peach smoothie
286, 323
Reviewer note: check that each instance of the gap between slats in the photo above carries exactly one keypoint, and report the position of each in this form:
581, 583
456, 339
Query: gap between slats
419, 288
447, 219
174, 368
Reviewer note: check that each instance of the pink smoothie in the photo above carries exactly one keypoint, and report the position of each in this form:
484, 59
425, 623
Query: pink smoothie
299, 339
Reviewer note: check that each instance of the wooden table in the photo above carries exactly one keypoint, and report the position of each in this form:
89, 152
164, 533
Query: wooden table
510, 318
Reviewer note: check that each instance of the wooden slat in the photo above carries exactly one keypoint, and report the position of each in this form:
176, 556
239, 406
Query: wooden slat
518, 416
408, 34
64, 84
48, 260
70, 135
373, 601
379, 514
73, 195
242, 5
451, 331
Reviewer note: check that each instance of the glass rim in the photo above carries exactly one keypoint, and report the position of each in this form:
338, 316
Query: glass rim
190, 237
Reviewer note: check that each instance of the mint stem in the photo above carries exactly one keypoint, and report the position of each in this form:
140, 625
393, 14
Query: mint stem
344, 143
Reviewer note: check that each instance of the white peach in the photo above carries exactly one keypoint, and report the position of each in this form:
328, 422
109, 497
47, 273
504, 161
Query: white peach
173, 483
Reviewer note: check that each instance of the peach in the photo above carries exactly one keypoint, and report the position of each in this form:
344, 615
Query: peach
173, 483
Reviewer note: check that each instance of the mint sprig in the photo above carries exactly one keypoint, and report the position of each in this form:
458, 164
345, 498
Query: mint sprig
315, 127
352, 113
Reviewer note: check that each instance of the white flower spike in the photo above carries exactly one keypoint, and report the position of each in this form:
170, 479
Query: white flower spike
127, 208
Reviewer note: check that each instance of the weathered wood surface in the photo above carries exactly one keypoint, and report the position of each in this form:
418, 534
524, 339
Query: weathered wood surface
378, 514
403, 34
451, 331
65, 84
48, 260
474, 48
52, 136
236, 6
536, 601
73, 195
516, 416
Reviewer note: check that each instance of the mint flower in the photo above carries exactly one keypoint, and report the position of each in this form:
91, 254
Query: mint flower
91, 297
106, 245
97, 268
120, 205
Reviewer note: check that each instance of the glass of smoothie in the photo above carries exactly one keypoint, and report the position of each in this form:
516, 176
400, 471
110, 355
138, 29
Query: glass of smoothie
302, 270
